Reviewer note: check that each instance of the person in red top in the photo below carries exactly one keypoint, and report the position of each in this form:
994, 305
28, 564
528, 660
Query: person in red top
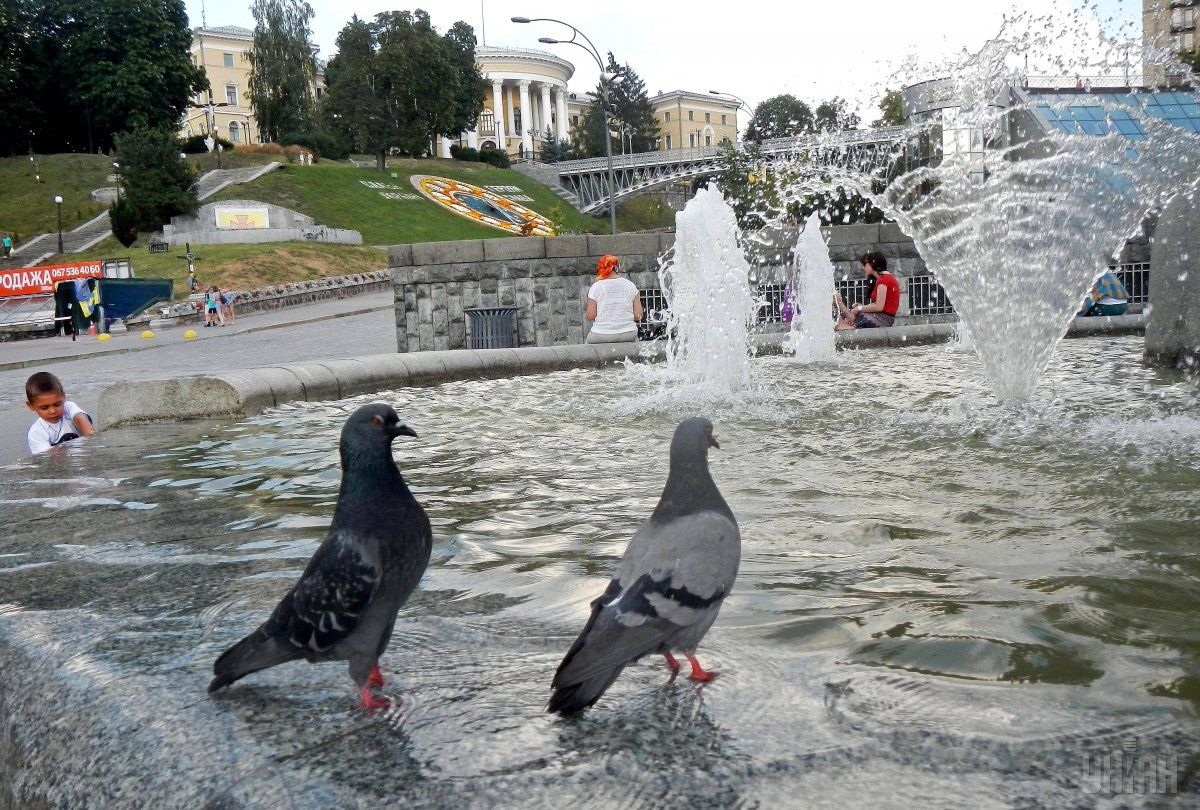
883, 297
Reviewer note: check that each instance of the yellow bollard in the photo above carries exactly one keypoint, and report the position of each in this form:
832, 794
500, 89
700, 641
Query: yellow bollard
147, 334
103, 337
189, 335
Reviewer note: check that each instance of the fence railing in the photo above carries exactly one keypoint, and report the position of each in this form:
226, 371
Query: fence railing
1136, 278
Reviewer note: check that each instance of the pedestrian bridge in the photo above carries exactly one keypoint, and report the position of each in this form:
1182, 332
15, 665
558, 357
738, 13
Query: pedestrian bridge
868, 151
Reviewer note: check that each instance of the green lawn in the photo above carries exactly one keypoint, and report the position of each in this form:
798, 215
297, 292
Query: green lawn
27, 207
240, 266
334, 194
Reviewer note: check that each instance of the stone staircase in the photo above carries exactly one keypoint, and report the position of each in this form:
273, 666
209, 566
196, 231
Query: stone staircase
30, 253
545, 174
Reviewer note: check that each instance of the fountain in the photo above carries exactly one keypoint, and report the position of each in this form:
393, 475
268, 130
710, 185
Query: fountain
810, 339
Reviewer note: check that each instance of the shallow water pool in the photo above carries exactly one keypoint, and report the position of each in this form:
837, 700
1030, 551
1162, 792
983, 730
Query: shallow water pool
940, 600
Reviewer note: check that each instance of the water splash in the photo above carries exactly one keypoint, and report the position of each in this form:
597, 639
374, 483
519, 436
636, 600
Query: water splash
708, 291
811, 339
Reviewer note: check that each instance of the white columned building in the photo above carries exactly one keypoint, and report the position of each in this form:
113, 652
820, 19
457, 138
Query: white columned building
544, 124
527, 84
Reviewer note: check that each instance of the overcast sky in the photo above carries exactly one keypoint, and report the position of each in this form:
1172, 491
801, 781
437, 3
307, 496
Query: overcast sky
754, 48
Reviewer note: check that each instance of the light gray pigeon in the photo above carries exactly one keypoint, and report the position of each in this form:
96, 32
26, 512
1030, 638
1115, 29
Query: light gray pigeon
678, 568
345, 604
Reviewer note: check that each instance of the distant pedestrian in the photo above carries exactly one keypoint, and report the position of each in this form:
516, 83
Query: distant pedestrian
1108, 296
7, 246
59, 420
212, 308
227, 304
883, 297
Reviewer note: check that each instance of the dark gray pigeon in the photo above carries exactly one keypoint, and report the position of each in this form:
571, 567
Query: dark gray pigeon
678, 568
345, 604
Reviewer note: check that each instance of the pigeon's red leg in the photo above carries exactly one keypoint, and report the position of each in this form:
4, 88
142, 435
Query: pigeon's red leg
376, 677
698, 672
369, 701
671, 662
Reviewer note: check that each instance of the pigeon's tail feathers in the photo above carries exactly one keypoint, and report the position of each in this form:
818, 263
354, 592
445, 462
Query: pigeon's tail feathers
255, 652
575, 697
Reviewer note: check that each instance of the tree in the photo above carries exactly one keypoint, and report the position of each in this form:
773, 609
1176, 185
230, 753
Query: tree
158, 185
891, 109
75, 72
629, 110
834, 116
781, 116
396, 84
282, 67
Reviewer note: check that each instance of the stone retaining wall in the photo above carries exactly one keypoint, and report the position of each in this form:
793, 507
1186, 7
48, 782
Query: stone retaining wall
546, 279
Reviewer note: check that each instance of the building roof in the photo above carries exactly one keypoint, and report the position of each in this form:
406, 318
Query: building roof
227, 31
1099, 113
486, 53
690, 95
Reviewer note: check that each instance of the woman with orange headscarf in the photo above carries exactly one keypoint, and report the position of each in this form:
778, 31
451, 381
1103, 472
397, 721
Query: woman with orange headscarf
613, 306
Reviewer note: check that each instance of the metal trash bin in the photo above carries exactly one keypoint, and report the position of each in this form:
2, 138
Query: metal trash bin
491, 327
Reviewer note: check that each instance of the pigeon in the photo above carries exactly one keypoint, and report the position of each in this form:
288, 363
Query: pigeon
669, 586
344, 606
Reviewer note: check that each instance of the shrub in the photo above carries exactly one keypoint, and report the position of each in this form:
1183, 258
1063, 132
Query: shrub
321, 144
124, 222
495, 157
195, 145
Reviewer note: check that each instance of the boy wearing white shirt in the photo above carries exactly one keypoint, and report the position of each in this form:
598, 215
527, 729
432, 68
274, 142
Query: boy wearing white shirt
59, 420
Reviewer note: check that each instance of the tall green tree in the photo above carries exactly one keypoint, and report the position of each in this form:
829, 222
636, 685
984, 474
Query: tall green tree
891, 110
282, 67
781, 116
76, 72
396, 84
834, 115
157, 184
631, 115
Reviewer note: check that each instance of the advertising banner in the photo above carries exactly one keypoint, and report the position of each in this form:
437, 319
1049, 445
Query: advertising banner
242, 219
41, 280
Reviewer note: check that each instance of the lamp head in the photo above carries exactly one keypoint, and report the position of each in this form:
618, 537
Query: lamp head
548, 40
519, 19
58, 199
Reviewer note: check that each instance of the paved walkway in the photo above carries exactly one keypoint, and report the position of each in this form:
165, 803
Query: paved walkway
362, 324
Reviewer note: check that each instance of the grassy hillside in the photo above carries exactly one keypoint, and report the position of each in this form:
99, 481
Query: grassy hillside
27, 207
334, 194
240, 266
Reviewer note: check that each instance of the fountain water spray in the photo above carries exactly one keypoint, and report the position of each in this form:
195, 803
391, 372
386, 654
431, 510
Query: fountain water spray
811, 339
708, 291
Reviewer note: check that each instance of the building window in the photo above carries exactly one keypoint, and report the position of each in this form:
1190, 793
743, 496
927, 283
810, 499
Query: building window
231, 94
574, 120
668, 117
235, 133
708, 140
723, 121
319, 90
228, 57
691, 115
708, 118
668, 141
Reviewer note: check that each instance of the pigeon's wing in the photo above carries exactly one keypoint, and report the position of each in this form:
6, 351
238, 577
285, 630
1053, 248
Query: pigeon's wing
673, 577
338, 585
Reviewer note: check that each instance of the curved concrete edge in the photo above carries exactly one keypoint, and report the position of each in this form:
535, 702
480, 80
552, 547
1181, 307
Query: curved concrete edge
1108, 325
236, 394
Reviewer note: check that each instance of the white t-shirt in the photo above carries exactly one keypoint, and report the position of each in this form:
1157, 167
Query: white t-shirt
614, 305
44, 435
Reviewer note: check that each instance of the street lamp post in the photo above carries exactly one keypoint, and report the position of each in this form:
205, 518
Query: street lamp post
58, 202
606, 80
741, 105
117, 169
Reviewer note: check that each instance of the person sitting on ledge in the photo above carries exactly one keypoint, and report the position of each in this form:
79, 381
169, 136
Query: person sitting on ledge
613, 305
1108, 297
883, 297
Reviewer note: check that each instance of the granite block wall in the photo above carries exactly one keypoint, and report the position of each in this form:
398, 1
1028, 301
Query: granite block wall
546, 279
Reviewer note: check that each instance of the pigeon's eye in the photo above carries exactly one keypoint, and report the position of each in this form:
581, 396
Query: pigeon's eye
377, 421
708, 431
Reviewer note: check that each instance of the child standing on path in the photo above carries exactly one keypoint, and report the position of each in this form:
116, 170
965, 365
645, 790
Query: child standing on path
59, 420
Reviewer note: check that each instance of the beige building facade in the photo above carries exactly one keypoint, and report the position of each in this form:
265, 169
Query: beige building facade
223, 52
688, 120
1168, 25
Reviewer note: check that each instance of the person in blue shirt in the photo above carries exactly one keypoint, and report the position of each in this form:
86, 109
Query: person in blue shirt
1108, 297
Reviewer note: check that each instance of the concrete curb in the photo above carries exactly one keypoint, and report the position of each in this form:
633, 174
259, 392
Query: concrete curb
237, 394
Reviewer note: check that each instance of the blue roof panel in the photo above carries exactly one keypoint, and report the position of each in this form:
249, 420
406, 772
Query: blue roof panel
1101, 113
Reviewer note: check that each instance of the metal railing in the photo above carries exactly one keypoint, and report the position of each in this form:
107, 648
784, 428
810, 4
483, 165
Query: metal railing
1136, 278
926, 297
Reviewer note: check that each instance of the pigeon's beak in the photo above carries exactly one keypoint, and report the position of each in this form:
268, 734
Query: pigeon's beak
399, 430
712, 441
